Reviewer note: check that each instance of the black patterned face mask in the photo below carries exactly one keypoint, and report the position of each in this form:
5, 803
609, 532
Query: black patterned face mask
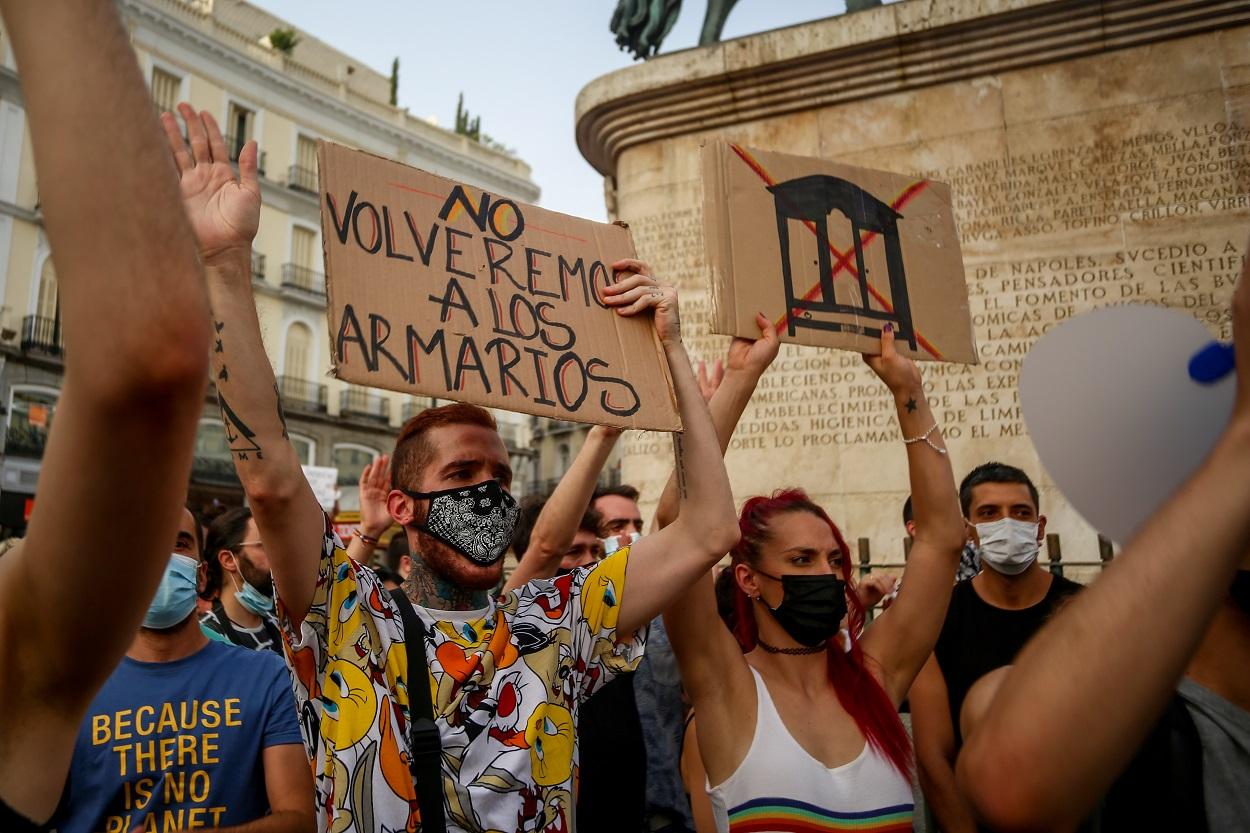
475, 521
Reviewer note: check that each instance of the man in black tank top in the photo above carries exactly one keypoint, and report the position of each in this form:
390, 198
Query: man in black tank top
990, 618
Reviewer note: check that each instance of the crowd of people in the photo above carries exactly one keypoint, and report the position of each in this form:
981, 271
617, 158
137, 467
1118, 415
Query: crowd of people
261, 676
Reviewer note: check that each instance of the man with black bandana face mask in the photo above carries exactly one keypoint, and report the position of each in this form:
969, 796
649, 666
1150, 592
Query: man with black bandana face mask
507, 675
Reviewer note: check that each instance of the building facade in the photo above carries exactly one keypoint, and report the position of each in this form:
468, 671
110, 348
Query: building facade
216, 55
554, 443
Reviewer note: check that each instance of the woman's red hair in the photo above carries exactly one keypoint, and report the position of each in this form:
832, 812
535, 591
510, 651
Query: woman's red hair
857, 689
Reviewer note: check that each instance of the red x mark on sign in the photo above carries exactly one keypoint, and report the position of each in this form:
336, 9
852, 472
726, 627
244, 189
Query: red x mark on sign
842, 260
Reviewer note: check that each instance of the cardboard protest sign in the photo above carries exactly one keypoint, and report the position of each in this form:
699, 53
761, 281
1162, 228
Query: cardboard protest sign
441, 289
830, 253
324, 481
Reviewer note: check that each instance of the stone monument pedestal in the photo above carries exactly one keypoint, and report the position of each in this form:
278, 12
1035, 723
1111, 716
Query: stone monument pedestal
1099, 153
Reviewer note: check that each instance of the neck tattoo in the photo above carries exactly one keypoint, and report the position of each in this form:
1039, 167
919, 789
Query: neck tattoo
773, 649
424, 588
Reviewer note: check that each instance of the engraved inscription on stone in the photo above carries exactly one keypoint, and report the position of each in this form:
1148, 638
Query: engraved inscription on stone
1056, 218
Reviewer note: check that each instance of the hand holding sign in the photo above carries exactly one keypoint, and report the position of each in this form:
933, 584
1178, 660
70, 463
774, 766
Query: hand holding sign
755, 355
632, 293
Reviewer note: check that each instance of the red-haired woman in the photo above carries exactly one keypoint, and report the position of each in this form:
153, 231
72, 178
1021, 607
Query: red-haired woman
797, 723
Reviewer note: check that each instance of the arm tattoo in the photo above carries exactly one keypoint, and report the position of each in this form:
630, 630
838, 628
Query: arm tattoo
911, 405
680, 453
240, 438
281, 413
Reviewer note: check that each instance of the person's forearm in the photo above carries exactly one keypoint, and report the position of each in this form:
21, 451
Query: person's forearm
705, 500
359, 551
123, 251
1131, 632
941, 794
135, 318
726, 407
557, 523
290, 520
251, 408
934, 497
278, 821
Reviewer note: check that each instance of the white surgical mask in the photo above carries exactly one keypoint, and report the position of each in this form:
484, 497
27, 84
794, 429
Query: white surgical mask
611, 545
1008, 546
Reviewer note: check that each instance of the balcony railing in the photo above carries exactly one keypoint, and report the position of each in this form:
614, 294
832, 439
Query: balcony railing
42, 335
611, 477
25, 441
415, 406
303, 278
362, 403
302, 395
301, 179
234, 146
258, 266
214, 470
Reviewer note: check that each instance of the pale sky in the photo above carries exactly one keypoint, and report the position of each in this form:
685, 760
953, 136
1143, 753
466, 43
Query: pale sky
520, 65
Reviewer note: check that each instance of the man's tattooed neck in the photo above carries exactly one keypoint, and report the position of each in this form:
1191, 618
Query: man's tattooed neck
423, 587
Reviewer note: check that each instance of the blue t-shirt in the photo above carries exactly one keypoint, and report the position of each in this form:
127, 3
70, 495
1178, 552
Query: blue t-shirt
179, 745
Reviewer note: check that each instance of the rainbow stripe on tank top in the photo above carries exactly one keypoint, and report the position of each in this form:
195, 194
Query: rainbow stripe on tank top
784, 815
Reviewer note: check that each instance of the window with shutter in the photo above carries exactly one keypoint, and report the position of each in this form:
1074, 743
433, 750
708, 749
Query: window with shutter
165, 89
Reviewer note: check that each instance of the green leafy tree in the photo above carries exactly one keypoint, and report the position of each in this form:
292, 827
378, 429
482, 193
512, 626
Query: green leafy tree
284, 40
467, 125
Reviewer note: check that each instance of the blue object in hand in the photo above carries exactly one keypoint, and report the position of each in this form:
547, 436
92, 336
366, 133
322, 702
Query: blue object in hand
1212, 363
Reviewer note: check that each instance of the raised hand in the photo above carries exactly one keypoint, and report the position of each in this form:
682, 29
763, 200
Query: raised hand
224, 210
375, 485
899, 373
709, 381
632, 293
755, 356
874, 587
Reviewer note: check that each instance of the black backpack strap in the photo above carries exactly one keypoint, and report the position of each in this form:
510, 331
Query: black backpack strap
424, 741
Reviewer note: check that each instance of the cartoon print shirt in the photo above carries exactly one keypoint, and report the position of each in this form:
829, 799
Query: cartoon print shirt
506, 683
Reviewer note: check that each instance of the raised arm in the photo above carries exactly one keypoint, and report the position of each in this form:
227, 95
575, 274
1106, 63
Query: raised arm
727, 390
557, 522
664, 565
713, 672
118, 456
375, 485
935, 750
902, 638
225, 213
1132, 632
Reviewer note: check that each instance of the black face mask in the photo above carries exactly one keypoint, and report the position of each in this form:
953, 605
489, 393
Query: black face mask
812, 606
1240, 591
475, 521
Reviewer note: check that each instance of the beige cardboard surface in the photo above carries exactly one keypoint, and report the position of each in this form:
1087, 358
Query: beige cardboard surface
444, 290
781, 235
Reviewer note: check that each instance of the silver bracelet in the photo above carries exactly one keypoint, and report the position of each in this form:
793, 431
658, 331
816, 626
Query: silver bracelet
924, 438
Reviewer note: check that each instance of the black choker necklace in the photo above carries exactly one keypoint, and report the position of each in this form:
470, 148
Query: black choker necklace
773, 649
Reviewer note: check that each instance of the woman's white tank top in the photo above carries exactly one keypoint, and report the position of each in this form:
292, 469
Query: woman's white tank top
779, 788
